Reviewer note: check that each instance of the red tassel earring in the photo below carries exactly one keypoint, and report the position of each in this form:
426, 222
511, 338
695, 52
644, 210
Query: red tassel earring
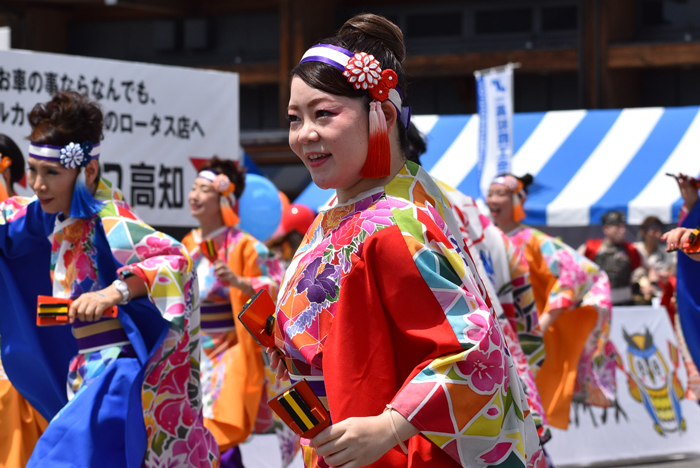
378, 163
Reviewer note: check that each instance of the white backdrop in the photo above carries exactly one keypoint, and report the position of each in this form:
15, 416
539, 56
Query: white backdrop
157, 118
632, 436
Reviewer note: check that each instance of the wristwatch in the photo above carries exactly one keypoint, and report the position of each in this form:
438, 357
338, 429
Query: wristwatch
123, 289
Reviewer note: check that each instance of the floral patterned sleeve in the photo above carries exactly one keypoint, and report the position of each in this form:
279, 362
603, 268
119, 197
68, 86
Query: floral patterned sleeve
575, 274
526, 322
156, 258
478, 367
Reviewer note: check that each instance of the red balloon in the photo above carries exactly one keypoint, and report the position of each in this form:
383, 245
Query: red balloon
298, 217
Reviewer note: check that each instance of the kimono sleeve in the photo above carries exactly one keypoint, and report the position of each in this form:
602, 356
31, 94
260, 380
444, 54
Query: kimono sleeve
413, 337
574, 273
156, 258
526, 320
22, 223
252, 260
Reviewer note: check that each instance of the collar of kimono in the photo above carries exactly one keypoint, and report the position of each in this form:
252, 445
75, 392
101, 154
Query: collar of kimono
517, 188
363, 72
71, 156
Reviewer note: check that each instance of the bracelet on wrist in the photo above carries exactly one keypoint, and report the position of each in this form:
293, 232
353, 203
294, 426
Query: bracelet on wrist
393, 429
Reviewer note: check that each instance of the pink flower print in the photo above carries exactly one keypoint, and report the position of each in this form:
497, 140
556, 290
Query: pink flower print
571, 276
498, 454
484, 371
157, 246
485, 332
175, 382
174, 414
377, 217
195, 448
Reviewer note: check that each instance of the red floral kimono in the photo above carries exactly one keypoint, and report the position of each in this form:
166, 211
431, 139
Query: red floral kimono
382, 306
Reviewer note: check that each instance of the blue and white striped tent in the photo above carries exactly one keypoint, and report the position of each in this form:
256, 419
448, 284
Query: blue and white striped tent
584, 162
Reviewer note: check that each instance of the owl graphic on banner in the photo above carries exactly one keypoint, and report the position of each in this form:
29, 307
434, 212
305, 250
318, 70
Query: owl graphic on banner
653, 384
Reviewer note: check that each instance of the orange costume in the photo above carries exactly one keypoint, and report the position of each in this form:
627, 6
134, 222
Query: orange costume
580, 360
235, 384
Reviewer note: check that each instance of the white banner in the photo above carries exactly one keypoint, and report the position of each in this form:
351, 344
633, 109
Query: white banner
494, 93
160, 121
654, 420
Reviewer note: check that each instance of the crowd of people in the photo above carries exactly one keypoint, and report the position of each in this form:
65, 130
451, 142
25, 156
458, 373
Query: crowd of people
434, 334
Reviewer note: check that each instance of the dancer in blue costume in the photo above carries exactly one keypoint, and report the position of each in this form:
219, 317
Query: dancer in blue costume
133, 381
688, 272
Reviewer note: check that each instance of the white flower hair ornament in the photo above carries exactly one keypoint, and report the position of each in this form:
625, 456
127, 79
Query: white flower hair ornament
75, 155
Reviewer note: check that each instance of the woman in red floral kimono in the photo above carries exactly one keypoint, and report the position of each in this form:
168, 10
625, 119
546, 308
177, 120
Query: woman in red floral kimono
381, 309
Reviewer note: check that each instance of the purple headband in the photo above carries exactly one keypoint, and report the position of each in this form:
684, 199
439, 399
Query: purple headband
70, 156
339, 58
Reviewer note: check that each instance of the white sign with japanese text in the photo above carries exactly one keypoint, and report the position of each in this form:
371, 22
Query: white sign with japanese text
494, 92
160, 121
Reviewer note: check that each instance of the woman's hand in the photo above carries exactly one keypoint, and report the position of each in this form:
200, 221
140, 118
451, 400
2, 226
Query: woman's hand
548, 318
679, 238
356, 442
223, 272
689, 191
89, 307
276, 364
226, 275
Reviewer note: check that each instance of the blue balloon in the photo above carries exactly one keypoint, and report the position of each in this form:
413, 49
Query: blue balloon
260, 207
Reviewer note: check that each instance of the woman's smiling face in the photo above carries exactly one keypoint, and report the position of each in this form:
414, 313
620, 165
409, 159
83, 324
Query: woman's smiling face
329, 133
500, 203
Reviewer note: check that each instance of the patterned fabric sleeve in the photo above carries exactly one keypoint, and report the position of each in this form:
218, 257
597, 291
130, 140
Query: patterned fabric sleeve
156, 258
18, 232
526, 322
264, 265
575, 274
13, 208
469, 401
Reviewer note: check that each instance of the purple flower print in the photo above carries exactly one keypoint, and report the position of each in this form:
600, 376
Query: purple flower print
318, 285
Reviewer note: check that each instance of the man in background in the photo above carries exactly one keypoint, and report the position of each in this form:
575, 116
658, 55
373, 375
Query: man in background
615, 255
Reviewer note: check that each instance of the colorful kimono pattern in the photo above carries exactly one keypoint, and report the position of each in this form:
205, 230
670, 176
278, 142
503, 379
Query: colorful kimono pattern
381, 305
235, 378
170, 399
562, 278
20, 424
508, 274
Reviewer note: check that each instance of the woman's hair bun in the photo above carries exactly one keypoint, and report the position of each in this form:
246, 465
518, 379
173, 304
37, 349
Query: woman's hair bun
68, 117
379, 29
527, 180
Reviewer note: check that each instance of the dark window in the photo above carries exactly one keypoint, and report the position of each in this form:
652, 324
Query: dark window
259, 107
652, 13
505, 21
564, 18
670, 87
537, 93
435, 24
443, 96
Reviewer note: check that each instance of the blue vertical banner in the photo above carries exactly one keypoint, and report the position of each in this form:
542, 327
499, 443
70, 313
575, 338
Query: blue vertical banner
494, 92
